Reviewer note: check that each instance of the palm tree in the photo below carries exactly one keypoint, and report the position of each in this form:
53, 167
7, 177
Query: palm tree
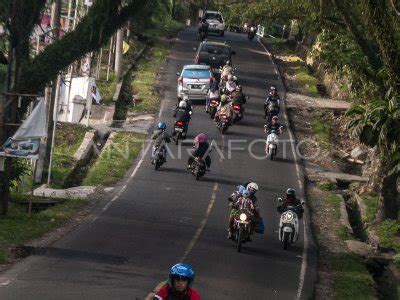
377, 124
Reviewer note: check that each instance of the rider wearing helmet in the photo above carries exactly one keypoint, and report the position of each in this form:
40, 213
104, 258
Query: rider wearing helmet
230, 86
238, 97
227, 69
272, 104
160, 137
203, 26
179, 286
251, 188
224, 108
291, 200
213, 93
243, 202
201, 148
274, 125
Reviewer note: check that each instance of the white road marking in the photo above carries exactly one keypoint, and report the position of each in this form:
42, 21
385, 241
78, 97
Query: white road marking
129, 179
7, 282
202, 224
306, 242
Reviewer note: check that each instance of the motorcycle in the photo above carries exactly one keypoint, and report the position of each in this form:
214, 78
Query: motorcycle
159, 157
179, 131
237, 110
202, 35
251, 34
271, 111
289, 225
198, 168
223, 123
271, 145
242, 225
212, 107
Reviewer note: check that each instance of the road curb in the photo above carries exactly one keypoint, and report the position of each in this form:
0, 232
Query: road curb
311, 274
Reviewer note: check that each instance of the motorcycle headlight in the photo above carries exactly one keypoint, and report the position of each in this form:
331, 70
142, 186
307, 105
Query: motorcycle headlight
243, 217
288, 216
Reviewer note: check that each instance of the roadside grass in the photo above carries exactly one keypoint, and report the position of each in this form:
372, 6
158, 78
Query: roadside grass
321, 125
115, 160
145, 75
278, 45
305, 79
343, 233
326, 186
334, 202
145, 78
351, 278
388, 233
370, 202
68, 139
18, 228
107, 88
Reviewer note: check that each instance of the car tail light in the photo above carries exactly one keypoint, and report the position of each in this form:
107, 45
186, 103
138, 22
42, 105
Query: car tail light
180, 80
179, 123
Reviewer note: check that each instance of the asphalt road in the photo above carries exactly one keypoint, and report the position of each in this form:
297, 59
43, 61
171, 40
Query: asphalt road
161, 217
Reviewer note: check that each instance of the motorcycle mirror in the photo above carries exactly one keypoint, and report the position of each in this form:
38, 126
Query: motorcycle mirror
230, 199
280, 200
178, 74
303, 202
265, 126
194, 49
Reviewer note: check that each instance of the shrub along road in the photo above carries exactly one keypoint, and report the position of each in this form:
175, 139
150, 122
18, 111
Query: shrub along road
158, 218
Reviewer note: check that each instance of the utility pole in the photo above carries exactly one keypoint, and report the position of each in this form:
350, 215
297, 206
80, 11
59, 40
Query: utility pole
55, 25
118, 52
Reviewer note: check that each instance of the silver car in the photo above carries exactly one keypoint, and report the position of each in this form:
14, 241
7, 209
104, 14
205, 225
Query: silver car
194, 82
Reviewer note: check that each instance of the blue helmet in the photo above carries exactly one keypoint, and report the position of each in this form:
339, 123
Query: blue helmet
162, 125
181, 270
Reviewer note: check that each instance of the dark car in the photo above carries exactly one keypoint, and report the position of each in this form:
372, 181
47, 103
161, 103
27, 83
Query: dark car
214, 54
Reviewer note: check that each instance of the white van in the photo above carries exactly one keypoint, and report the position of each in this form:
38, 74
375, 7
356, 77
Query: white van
216, 22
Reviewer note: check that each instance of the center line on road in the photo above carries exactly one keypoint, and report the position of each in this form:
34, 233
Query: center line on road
202, 224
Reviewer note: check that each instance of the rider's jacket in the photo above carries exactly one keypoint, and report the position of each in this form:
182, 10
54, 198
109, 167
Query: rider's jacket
166, 293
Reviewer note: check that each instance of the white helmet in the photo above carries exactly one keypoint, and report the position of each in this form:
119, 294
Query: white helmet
182, 104
252, 187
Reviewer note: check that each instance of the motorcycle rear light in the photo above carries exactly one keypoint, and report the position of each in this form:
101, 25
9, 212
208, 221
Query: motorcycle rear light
225, 117
180, 80
179, 123
213, 101
236, 107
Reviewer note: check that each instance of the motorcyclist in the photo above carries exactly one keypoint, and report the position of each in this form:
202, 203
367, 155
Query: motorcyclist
202, 27
273, 101
252, 187
274, 125
224, 108
160, 137
291, 200
183, 112
227, 69
243, 202
212, 93
179, 286
238, 96
201, 148
230, 86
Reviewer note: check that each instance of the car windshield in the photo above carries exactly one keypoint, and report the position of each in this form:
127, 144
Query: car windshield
216, 50
196, 74
214, 17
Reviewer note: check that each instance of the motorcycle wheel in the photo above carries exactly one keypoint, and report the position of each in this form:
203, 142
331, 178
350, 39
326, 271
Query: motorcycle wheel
156, 165
212, 113
271, 155
240, 240
286, 237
